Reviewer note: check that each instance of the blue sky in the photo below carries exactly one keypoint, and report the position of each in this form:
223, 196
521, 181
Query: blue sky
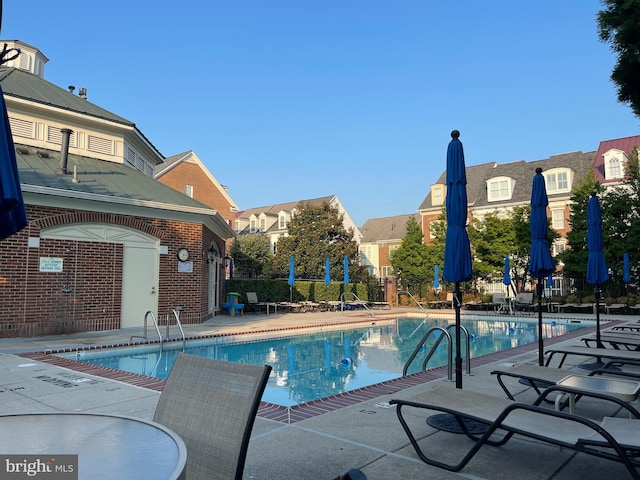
286, 100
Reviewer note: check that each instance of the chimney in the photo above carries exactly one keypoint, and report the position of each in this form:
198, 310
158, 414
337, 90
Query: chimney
71, 88
82, 93
64, 151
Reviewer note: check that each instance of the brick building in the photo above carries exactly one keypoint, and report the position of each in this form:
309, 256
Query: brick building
105, 242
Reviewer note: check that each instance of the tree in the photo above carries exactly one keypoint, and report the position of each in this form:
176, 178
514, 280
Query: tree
618, 26
314, 233
251, 255
410, 261
492, 239
575, 257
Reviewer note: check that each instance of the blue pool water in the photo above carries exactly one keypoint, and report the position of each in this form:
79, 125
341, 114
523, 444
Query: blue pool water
320, 364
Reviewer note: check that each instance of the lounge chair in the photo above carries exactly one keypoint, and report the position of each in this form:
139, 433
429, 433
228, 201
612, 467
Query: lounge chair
523, 301
540, 378
613, 439
592, 352
212, 405
615, 307
252, 299
618, 340
576, 307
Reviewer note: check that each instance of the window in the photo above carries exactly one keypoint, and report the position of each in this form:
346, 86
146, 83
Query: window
436, 196
282, 221
252, 225
558, 248
263, 224
386, 271
188, 190
556, 182
614, 162
499, 189
557, 219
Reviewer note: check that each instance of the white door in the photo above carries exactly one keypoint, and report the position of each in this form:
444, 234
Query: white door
214, 284
139, 284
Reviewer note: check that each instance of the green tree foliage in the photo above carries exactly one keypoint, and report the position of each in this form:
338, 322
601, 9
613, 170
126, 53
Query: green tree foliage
411, 260
314, 233
620, 226
618, 26
575, 256
492, 239
251, 255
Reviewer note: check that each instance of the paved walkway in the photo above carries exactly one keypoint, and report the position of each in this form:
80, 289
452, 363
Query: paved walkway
362, 432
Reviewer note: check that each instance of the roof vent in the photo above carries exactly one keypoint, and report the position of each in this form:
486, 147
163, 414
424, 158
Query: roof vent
22, 150
71, 88
64, 151
42, 154
82, 93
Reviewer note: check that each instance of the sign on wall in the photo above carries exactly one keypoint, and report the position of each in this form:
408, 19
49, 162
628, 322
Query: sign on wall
50, 264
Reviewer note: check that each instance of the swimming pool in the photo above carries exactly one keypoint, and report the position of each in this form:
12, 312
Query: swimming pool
324, 363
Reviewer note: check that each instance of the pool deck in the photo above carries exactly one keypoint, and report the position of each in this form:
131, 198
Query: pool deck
311, 441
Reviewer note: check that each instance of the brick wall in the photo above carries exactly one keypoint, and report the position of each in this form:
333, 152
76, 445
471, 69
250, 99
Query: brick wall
87, 294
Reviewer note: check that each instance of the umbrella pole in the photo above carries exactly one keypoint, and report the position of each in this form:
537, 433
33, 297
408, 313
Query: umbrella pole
457, 297
540, 341
596, 293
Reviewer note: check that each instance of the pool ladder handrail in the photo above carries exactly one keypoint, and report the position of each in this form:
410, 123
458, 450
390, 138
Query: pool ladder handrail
364, 304
144, 335
445, 333
176, 314
412, 297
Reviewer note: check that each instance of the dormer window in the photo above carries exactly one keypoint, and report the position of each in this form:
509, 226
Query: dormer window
614, 163
263, 223
253, 224
282, 220
557, 180
499, 188
437, 195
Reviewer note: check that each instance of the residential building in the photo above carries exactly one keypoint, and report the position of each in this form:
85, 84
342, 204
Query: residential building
106, 243
380, 238
186, 173
499, 187
273, 220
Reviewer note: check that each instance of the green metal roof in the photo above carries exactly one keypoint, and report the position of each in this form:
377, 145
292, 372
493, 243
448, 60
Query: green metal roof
20, 84
37, 167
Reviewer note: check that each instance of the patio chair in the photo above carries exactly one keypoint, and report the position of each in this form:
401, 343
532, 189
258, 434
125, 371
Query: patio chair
614, 439
252, 299
212, 405
615, 307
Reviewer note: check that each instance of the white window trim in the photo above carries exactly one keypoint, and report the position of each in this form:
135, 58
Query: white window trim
556, 172
498, 180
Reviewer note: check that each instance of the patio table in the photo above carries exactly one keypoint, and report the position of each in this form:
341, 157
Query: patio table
106, 446
623, 389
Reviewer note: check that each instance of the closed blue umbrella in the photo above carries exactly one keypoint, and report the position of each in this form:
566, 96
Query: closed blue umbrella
327, 271
457, 251
506, 279
597, 271
626, 272
436, 282
231, 269
292, 277
346, 270
540, 260
13, 216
